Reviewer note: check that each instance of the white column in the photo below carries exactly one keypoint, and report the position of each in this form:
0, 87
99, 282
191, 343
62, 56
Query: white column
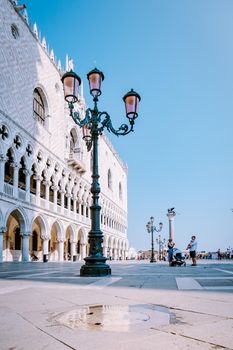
74, 205
73, 249
47, 184
2, 231
38, 180
110, 253
45, 246
25, 248
83, 251
171, 217
15, 180
60, 250
28, 174
62, 200
116, 254
55, 188
2, 169
105, 251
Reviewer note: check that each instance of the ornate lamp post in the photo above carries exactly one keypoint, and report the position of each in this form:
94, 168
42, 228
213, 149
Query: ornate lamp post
160, 243
150, 229
93, 125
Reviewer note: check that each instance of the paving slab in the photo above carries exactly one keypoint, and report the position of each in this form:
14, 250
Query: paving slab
41, 313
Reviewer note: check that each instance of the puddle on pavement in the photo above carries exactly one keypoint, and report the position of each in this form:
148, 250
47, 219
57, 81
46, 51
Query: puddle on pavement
117, 318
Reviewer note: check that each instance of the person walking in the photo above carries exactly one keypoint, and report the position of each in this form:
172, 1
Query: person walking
219, 255
192, 246
170, 246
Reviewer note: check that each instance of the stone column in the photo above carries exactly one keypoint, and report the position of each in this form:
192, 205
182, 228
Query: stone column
110, 253
171, 217
2, 170
25, 248
60, 250
47, 184
45, 248
105, 251
2, 231
83, 251
28, 174
15, 180
115, 254
62, 200
73, 249
74, 204
38, 180
79, 208
54, 188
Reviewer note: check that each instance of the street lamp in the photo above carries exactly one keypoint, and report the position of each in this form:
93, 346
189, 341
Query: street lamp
93, 125
150, 229
160, 243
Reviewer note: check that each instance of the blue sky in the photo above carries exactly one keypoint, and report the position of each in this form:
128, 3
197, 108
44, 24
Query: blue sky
178, 55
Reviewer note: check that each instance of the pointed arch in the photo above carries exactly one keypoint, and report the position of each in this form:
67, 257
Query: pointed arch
44, 226
59, 230
20, 215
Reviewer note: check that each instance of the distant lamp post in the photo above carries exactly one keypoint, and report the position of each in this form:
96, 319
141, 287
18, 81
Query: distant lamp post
150, 229
161, 242
93, 125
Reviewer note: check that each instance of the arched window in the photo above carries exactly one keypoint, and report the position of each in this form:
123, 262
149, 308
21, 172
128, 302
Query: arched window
22, 174
66, 197
51, 190
59, 194
9, 170
17, 239
33, 180
78, 247
120, 190
38, 107
34, 241
42, 185
109, 179
73, 141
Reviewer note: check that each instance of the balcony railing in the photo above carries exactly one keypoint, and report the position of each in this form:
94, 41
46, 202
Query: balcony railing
75, 159
8, 190
22, 194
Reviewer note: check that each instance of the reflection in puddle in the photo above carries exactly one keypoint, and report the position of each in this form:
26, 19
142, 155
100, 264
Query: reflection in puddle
118, 318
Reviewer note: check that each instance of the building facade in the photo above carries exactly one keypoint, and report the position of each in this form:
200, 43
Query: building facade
45, 169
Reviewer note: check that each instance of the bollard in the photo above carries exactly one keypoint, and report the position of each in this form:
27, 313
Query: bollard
45, 258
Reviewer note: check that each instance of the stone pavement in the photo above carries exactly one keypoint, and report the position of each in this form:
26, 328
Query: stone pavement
141, 306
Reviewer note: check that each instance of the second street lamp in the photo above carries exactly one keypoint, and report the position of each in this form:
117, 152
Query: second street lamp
161, 242
150, 229
93, 125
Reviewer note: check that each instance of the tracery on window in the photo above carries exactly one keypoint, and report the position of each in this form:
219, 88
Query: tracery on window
38, 107
120, 190
109, 179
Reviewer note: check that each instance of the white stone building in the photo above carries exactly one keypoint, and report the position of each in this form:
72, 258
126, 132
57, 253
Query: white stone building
45, 169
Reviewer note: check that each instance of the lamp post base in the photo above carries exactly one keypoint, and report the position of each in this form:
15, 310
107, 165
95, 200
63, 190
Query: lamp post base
152, 260
95, 267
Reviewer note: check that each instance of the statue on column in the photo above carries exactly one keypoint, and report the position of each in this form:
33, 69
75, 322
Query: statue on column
171, 215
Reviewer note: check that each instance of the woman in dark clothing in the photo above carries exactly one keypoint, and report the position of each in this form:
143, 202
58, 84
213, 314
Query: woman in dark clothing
170, 246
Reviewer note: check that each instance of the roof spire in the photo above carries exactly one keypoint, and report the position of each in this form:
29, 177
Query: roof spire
59, 65
35, 31
67, 63
52, 55
25, 15
43, 43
